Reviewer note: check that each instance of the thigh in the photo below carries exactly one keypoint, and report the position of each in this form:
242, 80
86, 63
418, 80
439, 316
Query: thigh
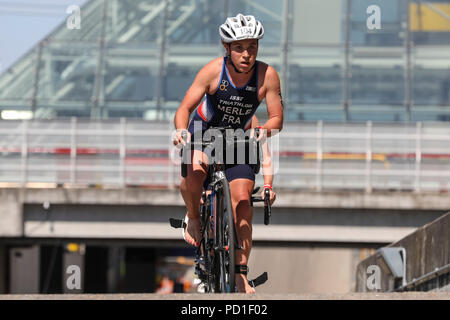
241, 190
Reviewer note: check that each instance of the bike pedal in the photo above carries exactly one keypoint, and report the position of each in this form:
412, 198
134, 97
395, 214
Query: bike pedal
201, 288
259, 280
177, 223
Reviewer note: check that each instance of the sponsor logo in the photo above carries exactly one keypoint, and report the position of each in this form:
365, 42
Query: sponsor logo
224, 85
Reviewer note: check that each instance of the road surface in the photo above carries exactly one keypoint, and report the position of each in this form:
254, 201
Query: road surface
242, 297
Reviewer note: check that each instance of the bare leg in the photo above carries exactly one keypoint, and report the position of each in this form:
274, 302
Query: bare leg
191, 189
241, 191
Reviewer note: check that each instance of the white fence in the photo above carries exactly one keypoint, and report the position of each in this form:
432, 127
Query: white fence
316, 156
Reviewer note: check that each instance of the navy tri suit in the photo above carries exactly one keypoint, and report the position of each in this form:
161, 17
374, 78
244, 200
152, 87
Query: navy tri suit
229, 106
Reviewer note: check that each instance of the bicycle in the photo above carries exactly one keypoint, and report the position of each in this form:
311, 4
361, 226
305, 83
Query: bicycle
215, 256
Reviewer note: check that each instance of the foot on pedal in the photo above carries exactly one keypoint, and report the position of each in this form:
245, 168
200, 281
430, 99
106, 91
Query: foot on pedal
194, 228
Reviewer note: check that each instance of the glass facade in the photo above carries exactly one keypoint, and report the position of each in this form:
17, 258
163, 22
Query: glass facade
338, 60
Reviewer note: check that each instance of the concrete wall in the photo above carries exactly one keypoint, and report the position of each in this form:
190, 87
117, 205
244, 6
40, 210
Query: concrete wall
24, 268
143, 214
305, 269
3, 268
11, 212
285, 198
349, 218
287, 224
427, 248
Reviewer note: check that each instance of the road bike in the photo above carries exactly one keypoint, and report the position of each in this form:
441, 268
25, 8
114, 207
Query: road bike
215, 256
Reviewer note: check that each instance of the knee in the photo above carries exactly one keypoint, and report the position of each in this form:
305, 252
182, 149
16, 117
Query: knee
244, 215
241, 201
194, 179
197, 175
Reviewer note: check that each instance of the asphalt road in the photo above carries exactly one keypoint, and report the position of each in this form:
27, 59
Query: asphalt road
241, 297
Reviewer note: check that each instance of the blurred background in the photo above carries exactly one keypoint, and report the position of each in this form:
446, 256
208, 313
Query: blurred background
88, 91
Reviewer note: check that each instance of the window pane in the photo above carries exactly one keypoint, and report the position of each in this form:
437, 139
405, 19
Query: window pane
391, 14
430, 24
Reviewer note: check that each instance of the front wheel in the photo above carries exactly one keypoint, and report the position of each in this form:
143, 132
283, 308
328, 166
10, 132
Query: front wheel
229, 239
224, 259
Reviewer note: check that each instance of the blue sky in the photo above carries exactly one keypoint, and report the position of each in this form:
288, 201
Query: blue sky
23, 23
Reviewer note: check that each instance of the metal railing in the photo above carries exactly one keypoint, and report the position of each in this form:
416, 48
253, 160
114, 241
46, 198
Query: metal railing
314, 156
409, 157
434, 280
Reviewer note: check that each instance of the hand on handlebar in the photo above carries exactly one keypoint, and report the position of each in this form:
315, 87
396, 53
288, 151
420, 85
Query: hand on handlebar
262, 133
181, 137
273, 196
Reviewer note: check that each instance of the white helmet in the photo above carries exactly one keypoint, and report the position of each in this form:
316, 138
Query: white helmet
241, 27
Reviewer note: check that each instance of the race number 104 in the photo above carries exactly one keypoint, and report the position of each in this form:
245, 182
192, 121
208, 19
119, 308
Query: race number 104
246, 309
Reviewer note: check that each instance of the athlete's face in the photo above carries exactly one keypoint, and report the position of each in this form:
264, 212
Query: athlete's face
243, 53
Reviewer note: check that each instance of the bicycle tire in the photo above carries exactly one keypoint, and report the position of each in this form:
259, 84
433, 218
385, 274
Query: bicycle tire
206, 250
229, 238
217, 215
224, 257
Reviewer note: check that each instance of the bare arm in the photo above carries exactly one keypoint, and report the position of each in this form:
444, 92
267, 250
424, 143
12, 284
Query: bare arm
274, 102
266, 164
267, 160
194, 95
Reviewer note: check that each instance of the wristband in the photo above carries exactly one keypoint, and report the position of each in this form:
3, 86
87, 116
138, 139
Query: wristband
268, 186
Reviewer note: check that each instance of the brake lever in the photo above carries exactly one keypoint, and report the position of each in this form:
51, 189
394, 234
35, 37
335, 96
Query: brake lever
184, 156
267, 207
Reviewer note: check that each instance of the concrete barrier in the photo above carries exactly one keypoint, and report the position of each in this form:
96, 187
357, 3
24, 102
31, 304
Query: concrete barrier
378, 217
427, 262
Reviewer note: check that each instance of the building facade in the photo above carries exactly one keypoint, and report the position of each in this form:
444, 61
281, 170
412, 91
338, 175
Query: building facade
339, 60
